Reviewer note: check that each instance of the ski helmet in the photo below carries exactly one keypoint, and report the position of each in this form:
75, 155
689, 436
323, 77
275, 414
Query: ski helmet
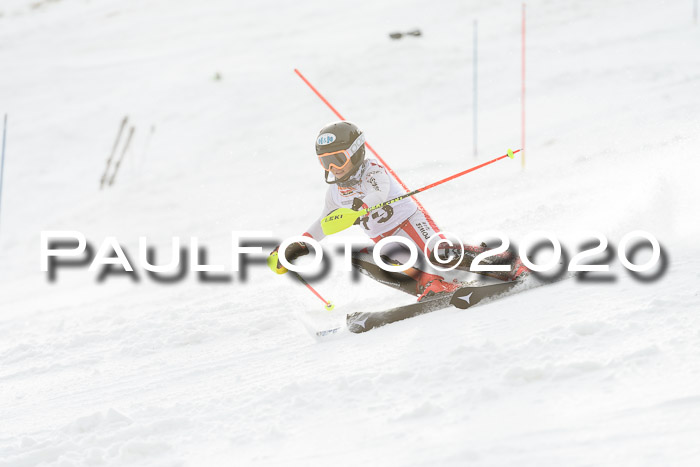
340, 142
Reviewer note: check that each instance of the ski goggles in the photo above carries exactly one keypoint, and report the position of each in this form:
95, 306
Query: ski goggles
340, 159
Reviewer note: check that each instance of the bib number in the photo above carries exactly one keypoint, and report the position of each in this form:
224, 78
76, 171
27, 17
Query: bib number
380, 215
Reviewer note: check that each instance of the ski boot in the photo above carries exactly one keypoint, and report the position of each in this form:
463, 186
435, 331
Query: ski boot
519, 271
429, 285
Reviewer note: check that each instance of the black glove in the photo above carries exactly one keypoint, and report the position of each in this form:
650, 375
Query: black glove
295, 250
358, 204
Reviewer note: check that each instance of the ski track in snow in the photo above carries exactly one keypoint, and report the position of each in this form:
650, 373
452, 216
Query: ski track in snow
143, 374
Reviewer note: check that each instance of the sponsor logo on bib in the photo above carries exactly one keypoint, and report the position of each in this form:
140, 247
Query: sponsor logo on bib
349, 191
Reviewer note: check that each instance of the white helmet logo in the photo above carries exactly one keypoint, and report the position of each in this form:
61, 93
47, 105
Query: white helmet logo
326, 138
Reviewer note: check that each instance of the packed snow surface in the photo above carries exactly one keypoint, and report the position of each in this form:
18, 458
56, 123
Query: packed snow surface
140, 373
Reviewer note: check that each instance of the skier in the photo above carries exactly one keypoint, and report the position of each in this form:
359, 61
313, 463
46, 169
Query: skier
358, 182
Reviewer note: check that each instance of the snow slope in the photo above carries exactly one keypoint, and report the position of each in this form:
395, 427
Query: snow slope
123, 373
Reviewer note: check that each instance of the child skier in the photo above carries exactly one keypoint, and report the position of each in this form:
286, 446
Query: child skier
356, 182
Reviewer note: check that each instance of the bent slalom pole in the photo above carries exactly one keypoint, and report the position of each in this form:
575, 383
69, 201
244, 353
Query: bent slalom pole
342, 218
386, 166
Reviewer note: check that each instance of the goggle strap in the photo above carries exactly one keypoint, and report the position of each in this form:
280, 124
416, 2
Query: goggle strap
356, 145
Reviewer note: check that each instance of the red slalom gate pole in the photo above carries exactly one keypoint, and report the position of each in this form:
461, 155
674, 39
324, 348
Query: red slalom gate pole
510, 154
476, 167
329, 306
343, 218
391, 171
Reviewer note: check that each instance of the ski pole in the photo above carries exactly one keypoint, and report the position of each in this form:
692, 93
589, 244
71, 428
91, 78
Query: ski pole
121, 158
272, 261
329, 305
114, 150
342, 218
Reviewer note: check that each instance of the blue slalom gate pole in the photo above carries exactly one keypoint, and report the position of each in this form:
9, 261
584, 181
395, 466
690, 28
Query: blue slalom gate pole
2, 158
475, 107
